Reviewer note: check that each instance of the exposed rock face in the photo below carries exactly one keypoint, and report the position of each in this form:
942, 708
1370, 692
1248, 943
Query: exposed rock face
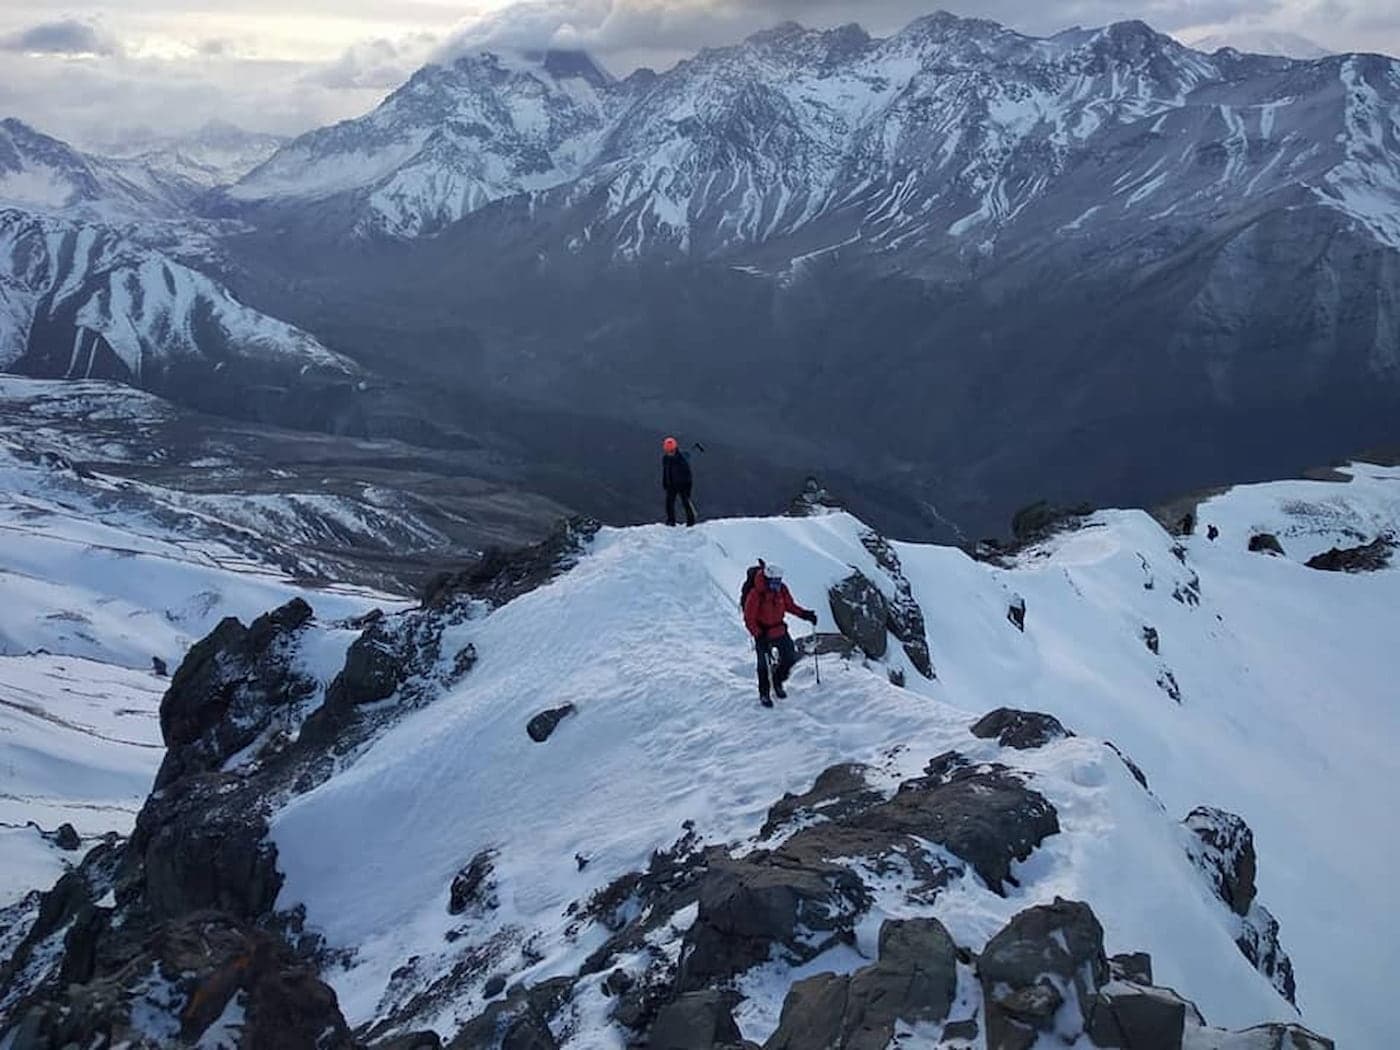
373, 669
1371, 557
914, 981
1133, 1017
473, 887
862, 614
1223, 848
696, 1021
502, 576
228, 690
1039, 521
1266, 543
518, 1022
1022, 730
1046, 955
813, 501
543, 725
906, 617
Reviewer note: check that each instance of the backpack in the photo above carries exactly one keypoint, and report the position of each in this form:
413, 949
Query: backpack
754, 570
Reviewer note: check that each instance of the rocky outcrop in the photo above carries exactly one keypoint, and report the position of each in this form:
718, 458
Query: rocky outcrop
1134, 1017
861, 614
474, 888
1222, 846
906, 617
1371, 557
501, 576
228, 690
696, 1021
1039, 521
813, 501
1045, 957
1021, 730
1266, 543
913, 981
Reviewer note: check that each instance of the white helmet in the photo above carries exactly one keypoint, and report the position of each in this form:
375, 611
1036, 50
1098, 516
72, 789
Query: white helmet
773, 572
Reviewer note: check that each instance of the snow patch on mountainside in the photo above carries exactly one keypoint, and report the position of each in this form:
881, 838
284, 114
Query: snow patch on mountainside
1270, 694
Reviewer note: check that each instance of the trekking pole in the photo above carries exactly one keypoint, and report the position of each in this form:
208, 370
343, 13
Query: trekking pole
816, 654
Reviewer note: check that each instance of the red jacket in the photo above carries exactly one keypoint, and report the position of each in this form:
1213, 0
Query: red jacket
764, 609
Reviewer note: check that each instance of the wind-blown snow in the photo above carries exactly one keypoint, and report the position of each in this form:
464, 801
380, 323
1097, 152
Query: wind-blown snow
1286, 716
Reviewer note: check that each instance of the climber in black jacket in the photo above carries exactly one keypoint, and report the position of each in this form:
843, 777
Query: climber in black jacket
677, 480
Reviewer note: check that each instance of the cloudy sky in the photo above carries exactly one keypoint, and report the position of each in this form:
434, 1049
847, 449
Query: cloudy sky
107, 70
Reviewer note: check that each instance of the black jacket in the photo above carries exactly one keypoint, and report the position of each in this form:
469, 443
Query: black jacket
675, 472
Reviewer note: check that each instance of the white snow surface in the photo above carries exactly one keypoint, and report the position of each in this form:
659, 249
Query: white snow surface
1287, 717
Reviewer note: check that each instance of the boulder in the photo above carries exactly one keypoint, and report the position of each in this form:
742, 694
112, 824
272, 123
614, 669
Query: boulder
1133, 1017
1048, 948
543, 725
1368, 558
698, 1020
67, 838
159, 668
861, 614
1022, 730
1133, 967
906, 617
1224, 851
374, 668
1266, 543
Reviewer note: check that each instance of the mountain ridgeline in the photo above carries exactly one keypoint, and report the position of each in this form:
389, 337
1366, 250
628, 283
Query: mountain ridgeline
1000, 264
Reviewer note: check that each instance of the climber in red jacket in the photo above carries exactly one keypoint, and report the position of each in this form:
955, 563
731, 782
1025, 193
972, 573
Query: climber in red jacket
765, 609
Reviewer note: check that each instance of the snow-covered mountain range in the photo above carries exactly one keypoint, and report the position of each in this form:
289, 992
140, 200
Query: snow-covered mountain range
356, 842
948, 133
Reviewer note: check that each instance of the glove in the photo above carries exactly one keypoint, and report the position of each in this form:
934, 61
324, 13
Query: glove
811, 618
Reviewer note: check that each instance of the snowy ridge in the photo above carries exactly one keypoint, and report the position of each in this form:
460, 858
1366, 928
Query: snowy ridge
80, 301
1268, 694
948, 131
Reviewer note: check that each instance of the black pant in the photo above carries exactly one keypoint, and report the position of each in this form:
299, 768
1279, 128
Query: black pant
786, 653
684, 493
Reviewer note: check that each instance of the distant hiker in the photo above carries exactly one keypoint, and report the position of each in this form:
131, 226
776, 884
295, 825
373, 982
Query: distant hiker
1212, 534
677, 480
765, 610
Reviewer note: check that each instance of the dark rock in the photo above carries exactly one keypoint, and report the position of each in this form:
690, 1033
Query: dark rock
1022, 730
896, 676
1372, 557
1132, 1017
826, 645
428, 1040
502, 576
518, 1022
1137, 773
543, 725
462, 664
373, 670
862, 614
1134, 967
1166, 681
67, 838
1153, 640
1041, 520
698, 1020
813, 1013
1265, 543
906, 617
227, 690
581, 861
494, 986
473, 886
1055, 946
1258, 941
1016, 613
619, 982
964, 1029
1225, 852
813, 501
1212, 533
159, 667
839, 792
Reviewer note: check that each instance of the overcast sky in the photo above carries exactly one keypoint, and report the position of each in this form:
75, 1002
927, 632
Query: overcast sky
88, 71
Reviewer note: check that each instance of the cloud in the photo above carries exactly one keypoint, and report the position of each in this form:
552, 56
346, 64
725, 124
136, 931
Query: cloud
67, 37
379, 63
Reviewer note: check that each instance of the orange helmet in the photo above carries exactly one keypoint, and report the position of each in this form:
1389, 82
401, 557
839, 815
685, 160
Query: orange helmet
670, 444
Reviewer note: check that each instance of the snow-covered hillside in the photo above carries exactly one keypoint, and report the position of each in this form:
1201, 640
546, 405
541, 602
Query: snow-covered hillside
216, 154
436, 855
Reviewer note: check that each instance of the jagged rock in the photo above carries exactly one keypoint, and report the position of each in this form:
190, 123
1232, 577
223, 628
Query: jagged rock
543, 725
1153, 640
696, 1021
1059, 946
473, 886
906, 617
813, 501
1371, 557
1266, 543
1133, 1017
1133, 967
502, 576
1258, 940
813, 1014
862, 614
67, 838
896, 677
1268, 1037
1016, 613
373, 669
1137, 773
839, 792
227, 690
619, 982
159, 668
1225, 852
752, 905
1022, 730
518, 1022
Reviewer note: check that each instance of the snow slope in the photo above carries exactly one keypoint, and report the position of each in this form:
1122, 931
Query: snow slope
1286, 716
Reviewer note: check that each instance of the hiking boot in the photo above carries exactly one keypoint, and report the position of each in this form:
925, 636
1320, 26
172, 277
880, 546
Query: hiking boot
765, 700
779, 690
